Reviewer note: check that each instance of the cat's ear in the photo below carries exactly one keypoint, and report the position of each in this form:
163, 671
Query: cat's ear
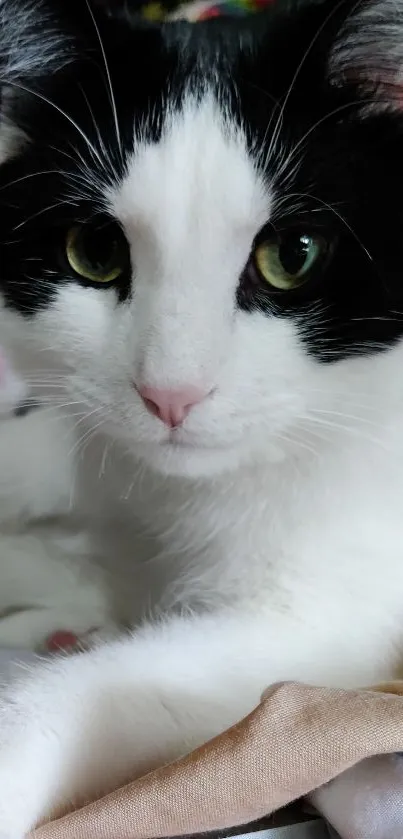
33, 47
38, 39
368, 52
31, 41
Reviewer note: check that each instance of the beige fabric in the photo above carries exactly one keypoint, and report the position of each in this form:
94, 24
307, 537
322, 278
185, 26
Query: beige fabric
299, 738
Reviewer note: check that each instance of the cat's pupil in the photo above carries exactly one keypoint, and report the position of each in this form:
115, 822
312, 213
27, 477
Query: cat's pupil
99, 247
293, 252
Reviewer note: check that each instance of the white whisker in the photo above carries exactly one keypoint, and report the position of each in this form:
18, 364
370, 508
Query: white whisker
313, 128
40, 213
277, 127
49, 102
108, 75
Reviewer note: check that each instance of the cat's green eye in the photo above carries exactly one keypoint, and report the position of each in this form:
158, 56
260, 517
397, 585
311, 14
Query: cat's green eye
98, 252
285, 260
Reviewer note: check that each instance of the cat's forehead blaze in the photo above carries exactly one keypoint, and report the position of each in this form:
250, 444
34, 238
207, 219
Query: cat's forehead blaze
196, 188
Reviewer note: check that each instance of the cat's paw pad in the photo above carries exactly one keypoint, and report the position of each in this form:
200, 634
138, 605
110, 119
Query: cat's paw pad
65, 640
61, 640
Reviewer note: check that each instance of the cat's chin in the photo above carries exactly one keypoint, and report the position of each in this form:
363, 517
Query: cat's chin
189, 461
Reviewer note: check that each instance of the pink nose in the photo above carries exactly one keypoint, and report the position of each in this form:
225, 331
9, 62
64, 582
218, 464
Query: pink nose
171, 406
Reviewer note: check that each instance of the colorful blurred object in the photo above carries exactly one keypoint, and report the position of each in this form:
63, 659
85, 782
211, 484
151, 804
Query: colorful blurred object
193, 10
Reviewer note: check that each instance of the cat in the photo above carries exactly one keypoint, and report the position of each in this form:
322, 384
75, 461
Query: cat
201, 246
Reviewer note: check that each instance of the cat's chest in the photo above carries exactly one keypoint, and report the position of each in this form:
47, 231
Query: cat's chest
275, 533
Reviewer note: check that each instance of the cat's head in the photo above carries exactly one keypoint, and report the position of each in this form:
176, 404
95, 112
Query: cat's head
201, 225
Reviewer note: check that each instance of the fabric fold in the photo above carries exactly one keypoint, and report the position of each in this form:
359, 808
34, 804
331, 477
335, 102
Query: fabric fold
296, 740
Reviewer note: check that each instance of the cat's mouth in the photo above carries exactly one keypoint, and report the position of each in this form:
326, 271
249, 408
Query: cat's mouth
184, 438
179, 441
185, 457
173, 443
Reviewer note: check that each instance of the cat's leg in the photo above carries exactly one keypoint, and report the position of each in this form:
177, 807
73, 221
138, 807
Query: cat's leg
83, 724
47, 585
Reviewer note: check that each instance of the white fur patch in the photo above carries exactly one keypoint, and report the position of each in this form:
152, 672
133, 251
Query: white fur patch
11, 139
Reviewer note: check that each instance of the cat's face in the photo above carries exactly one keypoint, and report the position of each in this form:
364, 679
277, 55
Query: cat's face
203, 233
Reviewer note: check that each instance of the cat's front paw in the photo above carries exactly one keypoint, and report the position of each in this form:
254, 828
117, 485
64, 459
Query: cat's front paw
67, 734
23, 792
42, 718
49, 629
16, 815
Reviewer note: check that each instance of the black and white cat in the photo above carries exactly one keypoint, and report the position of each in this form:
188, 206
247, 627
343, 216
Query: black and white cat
202, 284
